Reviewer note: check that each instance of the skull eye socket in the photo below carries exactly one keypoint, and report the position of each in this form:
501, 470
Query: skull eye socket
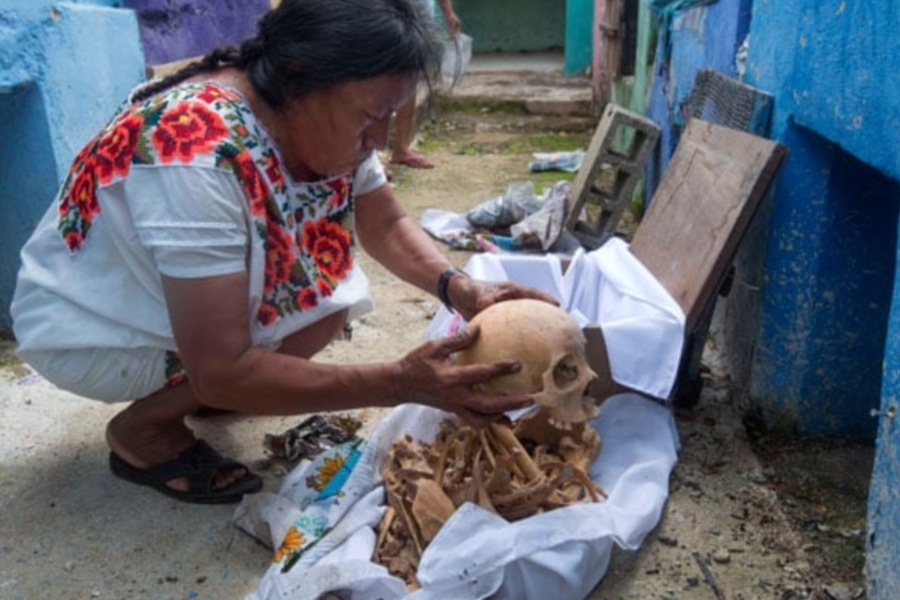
565, 372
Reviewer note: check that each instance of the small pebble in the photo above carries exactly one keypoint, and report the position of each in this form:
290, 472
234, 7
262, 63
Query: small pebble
721, 556
668, 541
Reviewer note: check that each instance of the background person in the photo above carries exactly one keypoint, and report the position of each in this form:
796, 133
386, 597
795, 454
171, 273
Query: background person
405, 119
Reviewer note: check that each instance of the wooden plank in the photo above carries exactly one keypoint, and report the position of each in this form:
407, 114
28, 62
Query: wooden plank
700, 212
598, 358
607, 23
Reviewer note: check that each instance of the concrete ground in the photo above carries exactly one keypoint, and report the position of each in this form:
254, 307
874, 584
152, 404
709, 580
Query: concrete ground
739, 524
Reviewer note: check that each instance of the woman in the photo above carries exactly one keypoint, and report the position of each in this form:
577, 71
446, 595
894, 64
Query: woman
199, 251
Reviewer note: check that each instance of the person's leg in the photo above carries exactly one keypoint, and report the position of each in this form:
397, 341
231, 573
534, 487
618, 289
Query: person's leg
151, 431
404, 126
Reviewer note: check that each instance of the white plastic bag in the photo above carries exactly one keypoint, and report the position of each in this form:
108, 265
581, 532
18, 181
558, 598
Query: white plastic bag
457, 55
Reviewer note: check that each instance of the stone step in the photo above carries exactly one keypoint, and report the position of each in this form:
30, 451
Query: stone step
538, 92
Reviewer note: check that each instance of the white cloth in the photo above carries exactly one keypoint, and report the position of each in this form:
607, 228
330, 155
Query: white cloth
642, 325
561, 554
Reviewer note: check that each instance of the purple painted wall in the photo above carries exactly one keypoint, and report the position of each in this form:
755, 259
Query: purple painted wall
176, 29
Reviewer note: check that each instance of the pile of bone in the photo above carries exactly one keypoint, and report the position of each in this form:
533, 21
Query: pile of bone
541, 463
498, 468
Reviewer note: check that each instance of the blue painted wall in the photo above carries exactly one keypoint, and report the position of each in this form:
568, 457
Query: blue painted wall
883, 526
827, 351
64, 68
838, 96
831, 243
705, 37
832, 237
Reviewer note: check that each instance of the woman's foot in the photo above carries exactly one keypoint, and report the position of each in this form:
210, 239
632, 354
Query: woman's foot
139, 439
412, 160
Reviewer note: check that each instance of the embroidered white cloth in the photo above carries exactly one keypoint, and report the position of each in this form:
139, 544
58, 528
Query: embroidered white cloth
561, 554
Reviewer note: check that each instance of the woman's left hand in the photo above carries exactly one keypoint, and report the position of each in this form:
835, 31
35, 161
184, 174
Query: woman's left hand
471, 296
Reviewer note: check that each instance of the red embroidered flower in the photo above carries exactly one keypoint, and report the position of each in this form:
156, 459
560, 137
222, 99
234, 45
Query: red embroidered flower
174, 380
307, 298
340, 190
82, 155
324, 288
253, 183
279, 258
82, 193
266, 314
329, 245
116, 148
188, 128
74, 240
273, 170
211, 93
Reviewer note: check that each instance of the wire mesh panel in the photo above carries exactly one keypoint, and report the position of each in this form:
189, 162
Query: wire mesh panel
719, 99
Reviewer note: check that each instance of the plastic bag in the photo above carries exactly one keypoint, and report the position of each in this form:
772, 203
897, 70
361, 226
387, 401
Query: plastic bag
500, 212
457, 55
557, 161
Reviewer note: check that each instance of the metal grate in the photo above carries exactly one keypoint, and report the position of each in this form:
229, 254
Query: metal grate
725, 101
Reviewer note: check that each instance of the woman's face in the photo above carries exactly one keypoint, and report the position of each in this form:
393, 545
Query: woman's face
331, 131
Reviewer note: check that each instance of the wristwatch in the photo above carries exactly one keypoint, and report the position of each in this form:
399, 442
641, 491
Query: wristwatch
444, 284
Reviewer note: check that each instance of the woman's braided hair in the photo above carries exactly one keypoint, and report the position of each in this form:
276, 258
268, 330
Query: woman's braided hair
306, 45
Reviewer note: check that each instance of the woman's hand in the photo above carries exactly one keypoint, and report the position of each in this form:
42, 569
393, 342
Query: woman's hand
428, 376
471, 296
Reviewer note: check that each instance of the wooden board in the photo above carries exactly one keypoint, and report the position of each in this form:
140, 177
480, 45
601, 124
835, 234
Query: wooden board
598, 358
700, 212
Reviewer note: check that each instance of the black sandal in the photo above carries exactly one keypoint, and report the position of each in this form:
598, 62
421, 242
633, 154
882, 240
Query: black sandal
200, 464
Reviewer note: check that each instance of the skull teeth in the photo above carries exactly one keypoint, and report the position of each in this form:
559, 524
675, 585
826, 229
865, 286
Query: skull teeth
560, 424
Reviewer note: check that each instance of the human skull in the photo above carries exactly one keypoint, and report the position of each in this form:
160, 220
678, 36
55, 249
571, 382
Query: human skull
548, 343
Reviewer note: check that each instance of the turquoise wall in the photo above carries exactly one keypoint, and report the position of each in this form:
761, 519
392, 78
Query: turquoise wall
513, 25
531, 26
64, 69
579, 35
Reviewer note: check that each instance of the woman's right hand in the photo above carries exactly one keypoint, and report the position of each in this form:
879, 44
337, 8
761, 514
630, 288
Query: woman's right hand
428, 376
